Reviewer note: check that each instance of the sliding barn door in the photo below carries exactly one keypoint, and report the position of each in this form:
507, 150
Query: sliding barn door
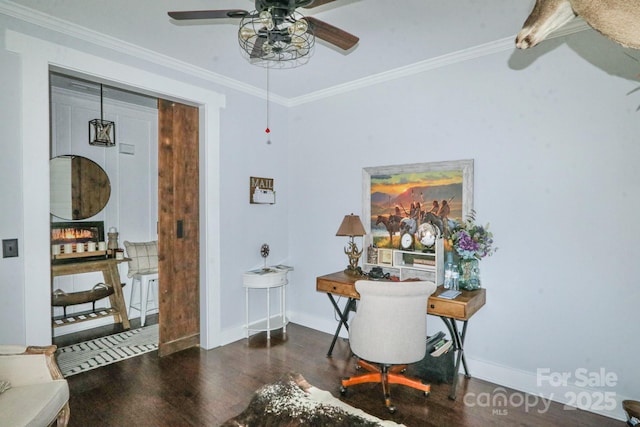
178, 227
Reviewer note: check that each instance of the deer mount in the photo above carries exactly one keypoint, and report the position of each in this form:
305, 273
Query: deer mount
619, 20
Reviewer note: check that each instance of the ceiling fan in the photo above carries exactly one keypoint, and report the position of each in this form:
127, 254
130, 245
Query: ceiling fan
275, 30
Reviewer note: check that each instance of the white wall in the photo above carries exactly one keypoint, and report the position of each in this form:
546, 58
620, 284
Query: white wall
244, 226
555, 147
12, 301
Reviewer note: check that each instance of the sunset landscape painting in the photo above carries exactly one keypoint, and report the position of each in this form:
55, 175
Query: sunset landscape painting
397, 195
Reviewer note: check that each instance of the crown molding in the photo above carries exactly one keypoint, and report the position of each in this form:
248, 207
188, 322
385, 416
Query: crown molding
408, 70
54, 24
468, 54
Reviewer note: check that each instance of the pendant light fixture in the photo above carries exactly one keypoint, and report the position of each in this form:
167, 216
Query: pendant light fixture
102, 132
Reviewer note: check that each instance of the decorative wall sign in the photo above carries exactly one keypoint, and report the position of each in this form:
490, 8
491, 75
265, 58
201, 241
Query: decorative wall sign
261, 190
399, 199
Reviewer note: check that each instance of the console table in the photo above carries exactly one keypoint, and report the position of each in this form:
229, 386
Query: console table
267, 279
449, 310
109, 269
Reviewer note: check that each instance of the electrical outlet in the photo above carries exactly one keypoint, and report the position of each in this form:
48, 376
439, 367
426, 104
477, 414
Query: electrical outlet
9, 248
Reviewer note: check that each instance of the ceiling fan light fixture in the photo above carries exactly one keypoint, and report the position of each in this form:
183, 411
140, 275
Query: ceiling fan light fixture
298, 42
267, 48
273, 24
266, 19
246, 33
299, 27
287, 44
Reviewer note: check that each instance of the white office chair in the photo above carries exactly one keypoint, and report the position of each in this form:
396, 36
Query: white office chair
143, 270
389, 331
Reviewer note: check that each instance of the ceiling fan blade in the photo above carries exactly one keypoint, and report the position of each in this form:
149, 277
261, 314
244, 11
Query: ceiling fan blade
208, 14
331, 34
317, 3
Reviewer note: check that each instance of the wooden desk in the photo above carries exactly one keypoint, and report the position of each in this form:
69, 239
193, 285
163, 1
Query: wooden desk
109, 269
450, 311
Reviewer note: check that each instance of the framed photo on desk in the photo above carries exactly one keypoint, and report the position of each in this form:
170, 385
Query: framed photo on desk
392, 194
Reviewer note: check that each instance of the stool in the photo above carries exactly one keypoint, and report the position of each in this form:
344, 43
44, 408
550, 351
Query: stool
144, 282
632, 408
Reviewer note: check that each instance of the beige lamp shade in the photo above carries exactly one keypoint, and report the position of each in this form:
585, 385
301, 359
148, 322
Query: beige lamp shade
351, 226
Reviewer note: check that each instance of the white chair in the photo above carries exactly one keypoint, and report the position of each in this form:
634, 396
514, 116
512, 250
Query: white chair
144, 282
143, 270
33, 391
388, 332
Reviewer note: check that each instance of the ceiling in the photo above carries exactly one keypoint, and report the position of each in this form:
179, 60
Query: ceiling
393, 34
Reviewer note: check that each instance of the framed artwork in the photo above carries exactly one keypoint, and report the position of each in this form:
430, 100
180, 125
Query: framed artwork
67, 237
399, 199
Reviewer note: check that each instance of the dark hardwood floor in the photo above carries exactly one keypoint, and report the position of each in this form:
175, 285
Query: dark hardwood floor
205, 388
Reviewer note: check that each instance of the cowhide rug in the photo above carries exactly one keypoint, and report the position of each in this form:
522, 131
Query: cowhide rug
292, 401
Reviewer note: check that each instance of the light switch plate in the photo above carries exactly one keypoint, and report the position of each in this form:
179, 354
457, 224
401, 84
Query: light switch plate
9, 248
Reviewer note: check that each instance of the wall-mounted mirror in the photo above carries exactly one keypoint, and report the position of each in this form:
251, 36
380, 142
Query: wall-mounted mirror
80, 188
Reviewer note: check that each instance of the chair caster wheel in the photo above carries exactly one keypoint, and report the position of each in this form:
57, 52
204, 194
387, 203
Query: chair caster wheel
427, 393
391, 409
343, 390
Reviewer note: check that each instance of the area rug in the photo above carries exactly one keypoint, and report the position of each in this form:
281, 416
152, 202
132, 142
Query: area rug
292, 401
92, 354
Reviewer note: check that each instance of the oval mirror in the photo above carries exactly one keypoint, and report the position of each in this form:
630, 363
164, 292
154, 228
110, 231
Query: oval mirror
80, 188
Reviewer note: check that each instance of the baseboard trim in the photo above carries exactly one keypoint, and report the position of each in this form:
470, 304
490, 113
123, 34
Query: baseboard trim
165, 349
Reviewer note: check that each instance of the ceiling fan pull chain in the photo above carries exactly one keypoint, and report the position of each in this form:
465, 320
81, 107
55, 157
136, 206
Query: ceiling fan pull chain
267, 130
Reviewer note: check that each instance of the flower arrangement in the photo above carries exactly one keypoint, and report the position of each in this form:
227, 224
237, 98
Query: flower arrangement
471, 240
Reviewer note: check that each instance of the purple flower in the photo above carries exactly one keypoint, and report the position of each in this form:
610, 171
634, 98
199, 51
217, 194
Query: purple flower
466, 243
471, 240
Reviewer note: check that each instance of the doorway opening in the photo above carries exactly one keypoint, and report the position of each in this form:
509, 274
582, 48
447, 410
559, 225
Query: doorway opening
131, 211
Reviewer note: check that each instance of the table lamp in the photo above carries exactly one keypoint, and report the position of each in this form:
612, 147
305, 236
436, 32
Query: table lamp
352, 226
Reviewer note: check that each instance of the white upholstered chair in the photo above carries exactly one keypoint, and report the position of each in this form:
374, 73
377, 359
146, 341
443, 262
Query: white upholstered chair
388, 332
143, 271
35, 392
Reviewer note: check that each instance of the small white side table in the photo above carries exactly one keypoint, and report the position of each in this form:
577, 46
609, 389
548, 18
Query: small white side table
268, 278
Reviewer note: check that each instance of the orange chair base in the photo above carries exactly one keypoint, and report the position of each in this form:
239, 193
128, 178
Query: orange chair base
385, 375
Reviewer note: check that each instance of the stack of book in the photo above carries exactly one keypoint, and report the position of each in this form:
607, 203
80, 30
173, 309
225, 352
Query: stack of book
437, 344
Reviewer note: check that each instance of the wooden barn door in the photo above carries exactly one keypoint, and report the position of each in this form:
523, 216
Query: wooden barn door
178, 228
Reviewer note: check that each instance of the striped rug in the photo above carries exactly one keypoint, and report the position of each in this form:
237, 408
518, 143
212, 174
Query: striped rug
88, 355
